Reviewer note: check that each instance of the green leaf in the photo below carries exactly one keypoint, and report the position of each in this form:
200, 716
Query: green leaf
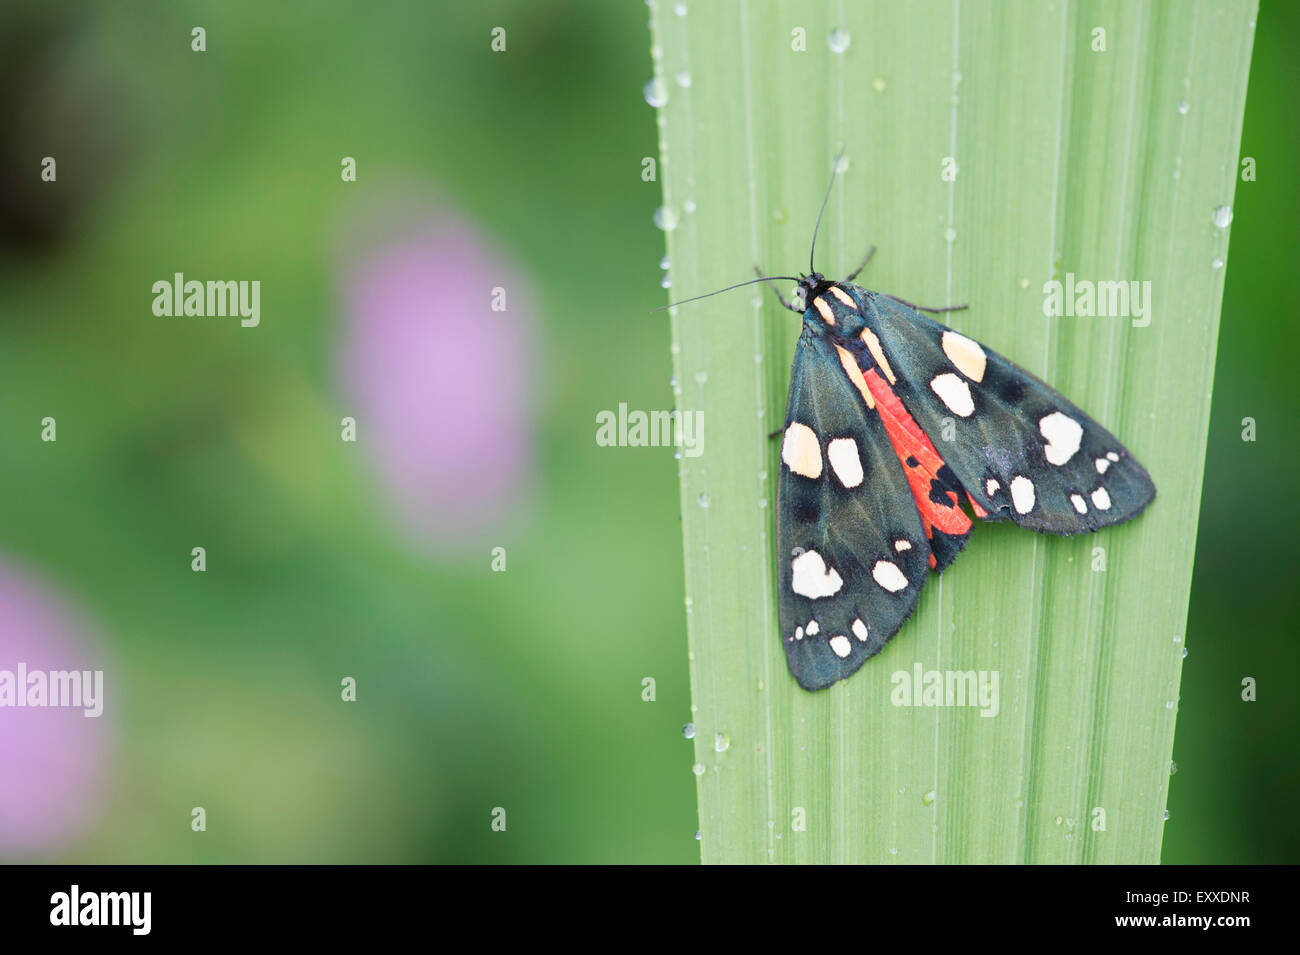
1108, 164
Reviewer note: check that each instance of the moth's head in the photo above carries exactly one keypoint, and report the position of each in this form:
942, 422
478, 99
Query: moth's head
832, 307
810, 286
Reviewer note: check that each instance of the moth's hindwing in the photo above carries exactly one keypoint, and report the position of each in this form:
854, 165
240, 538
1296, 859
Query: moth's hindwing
1021, 450
852, 555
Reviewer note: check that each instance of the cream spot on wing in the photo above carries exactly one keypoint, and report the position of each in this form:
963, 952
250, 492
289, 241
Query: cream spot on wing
860, 630
967, 356
1079, 503
902, 545
1063, 435
801, 451
844, 297
1101, 499
889, 576
1102, 465
851, 369
811, 578
873, 345
991, 487
1112, 455
955, 394
798, 633
845, 461
840, 644
1022, 493
825, 310
814, 628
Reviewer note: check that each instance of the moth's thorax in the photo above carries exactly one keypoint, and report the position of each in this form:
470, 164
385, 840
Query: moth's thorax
833, 307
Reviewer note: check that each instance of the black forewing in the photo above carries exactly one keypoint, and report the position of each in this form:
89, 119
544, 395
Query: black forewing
1001, 443
853, 531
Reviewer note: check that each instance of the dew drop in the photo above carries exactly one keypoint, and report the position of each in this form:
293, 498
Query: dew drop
665, 263
679, 9
839, 40
701, 377
672, 382
1178, 638
1173, 767
893, 851
1169, 704
721, 743
1223, 217
779, 216
698, 837
842, 165
677, 454
928, 798
656, 53
1183, 107
666, 218
689, 206
656, 94
665, 282
1024, 283
1216, 263
689, 731
698, 769
1166, 815
683, 79
950, 234
878, 84
1058, 820
1184, 653
762, 503
689, 603
703, 501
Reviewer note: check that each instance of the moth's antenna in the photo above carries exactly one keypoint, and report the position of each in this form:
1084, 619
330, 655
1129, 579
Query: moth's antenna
788, 278
834, 169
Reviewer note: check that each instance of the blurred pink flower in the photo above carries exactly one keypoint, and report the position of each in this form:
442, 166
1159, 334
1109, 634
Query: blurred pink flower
441, 385
52, 759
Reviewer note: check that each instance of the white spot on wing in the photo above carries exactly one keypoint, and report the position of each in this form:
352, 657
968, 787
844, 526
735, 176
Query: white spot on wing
967, 356
814, 628
1112, 455
1022, 493
860, 630
1102, 465
801, 451
901, 546
811, 578
1079, 503
840, 644
1101, 499
1063, 435
991, 487
845, 461
955, 393
889, 576
798, 633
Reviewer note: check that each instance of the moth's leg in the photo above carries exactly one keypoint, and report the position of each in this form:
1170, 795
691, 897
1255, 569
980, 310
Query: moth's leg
861, 265
925, 308
759, 273
775, 434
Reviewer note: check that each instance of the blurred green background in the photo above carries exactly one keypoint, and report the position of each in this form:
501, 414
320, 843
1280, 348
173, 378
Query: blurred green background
521, 689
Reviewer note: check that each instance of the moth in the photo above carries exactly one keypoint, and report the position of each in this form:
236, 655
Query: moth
900, 432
